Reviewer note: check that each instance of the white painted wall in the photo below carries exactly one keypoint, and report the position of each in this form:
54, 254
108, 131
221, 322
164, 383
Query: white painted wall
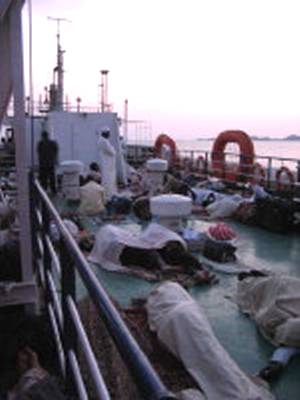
77, 135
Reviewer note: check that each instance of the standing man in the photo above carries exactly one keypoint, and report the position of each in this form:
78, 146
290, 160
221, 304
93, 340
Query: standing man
48, 157
107, 164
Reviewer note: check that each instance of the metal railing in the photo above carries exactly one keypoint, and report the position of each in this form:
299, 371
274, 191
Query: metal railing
57, 276
240, 167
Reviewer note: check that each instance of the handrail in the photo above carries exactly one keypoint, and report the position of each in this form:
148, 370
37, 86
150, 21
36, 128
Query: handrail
91, 360
82, 394
245, 173
230, 153
145, 378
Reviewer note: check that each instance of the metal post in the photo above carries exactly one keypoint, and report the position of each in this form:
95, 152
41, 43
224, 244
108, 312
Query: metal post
223, 168
69, 332
269, 172
20, 140
33, 206
206, 165
192, 161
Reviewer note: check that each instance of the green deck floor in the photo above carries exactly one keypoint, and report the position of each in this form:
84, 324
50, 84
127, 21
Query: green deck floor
236, 332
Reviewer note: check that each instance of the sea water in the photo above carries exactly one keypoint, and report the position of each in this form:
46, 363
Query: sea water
269, 148
281, 151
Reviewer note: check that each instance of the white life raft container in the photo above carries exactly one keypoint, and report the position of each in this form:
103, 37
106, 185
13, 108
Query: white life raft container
156, 169
71, 171
170, 210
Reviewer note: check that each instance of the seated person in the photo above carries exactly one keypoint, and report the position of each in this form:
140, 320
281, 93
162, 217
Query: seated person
30, 360
92, 197
94, 172
137, 184
155, 248
181, 326
273, 302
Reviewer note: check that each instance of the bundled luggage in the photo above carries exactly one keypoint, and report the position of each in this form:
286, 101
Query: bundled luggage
275, 214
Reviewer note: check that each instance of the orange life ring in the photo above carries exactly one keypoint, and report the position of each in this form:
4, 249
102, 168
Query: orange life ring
260, 177
281, 185
245, 167
165, 140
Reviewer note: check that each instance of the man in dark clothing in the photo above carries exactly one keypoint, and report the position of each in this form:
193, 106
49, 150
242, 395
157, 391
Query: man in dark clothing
48, 155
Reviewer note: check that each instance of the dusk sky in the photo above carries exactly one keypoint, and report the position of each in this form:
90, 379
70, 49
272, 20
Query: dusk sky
190, 67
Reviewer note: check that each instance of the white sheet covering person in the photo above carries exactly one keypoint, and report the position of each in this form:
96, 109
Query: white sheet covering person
225, 207
110, 241
273, 302
182, 327
107, 164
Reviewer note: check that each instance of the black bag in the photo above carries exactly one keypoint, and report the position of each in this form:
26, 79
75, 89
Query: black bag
275, 214
220, 252
119, 205
141, 209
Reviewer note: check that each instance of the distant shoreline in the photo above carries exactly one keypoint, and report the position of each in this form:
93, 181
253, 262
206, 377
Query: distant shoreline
265, 138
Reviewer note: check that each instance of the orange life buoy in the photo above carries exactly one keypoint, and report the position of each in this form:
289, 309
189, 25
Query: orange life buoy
286, 171
259, 173
245, 167
165, 140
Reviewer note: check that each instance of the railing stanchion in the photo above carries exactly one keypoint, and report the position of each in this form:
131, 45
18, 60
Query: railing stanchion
206, 169
69, 332
33, 206
46, 256
269, 173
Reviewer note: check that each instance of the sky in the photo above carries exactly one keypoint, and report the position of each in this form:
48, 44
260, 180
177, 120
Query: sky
190, 68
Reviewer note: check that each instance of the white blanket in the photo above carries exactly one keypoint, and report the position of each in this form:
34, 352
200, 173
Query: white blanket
111, 240
274, 304
223, 208
182, 327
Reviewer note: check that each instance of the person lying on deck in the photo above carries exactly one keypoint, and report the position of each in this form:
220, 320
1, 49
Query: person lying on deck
154, 249
213, 204
216, 244
182, 327
273, 302
172, 183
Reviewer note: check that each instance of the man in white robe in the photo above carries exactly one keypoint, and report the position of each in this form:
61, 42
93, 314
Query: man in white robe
108, 164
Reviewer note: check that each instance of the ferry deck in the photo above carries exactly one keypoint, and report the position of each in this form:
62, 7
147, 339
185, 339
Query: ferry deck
237, 333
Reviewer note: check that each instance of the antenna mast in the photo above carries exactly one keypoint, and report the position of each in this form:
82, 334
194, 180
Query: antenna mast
104, 90
59, 70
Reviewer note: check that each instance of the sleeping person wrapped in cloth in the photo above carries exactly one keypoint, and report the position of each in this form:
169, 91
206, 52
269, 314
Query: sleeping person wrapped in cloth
153, 249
